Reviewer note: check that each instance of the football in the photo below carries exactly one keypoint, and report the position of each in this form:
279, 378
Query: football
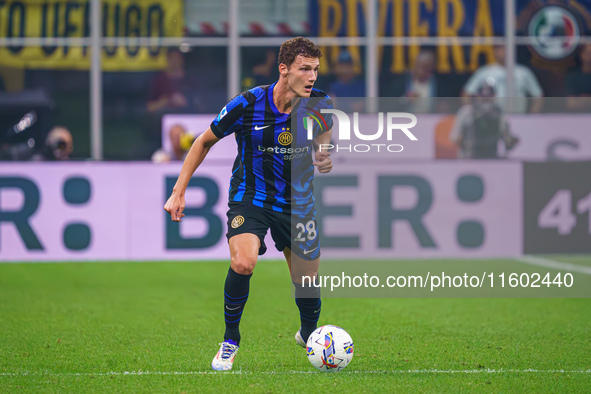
329, 348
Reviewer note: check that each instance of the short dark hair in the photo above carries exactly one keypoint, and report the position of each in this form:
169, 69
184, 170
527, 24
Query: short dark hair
293, 47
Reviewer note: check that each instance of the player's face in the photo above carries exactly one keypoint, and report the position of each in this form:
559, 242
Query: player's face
302, 74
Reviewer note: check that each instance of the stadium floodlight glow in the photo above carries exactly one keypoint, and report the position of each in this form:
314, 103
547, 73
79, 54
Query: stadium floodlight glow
27, 121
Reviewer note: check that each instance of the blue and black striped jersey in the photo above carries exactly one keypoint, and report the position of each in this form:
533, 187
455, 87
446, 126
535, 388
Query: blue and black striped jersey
273, 168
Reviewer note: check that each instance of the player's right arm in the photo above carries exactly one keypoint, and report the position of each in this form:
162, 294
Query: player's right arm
227, 122
176, 202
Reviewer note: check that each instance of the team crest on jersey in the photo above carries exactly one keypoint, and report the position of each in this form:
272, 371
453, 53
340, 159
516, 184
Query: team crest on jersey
237, 221
284, 138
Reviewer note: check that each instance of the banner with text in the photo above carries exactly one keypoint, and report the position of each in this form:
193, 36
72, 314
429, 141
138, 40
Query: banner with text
555, 26
541, 137
113, 211
71, 18
430, 210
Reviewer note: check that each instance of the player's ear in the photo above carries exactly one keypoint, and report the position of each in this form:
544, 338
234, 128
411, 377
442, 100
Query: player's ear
283, 69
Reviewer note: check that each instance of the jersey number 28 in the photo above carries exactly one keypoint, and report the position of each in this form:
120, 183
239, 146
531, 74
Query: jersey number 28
306, 231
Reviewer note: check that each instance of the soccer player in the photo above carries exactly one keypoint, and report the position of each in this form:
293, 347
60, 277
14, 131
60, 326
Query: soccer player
271, 184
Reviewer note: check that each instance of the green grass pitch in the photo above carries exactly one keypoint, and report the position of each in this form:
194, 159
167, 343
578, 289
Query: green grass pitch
154, 327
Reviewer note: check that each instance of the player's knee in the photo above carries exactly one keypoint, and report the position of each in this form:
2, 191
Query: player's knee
243, 265
305, 281
300, 276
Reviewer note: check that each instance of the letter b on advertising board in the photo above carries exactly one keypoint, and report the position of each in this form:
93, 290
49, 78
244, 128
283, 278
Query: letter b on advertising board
174, 238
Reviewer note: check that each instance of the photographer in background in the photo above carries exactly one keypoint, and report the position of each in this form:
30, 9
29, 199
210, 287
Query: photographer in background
180, 143
58, 145
25, 120
480, 126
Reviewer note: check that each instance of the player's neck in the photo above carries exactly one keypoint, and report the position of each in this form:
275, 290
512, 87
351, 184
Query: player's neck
282, 96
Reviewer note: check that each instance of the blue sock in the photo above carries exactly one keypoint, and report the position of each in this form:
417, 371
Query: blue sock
235, 295
309, 315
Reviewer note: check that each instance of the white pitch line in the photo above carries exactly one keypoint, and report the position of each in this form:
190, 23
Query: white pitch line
553, 264
385, 372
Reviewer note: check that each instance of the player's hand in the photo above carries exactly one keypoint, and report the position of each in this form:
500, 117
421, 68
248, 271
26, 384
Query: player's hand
323, 162
175, 206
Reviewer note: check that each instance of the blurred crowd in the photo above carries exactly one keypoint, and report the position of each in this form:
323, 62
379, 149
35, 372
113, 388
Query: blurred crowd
43, 111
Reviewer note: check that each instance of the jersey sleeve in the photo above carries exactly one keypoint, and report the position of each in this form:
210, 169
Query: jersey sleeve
319, 102
230, 117
327, 117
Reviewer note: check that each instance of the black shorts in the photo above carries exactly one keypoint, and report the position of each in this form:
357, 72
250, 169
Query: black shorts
298, 233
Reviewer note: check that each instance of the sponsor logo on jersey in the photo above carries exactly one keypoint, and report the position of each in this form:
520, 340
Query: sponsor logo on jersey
278, 149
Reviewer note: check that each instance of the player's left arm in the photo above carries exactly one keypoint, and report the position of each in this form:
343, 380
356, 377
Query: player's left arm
321, 152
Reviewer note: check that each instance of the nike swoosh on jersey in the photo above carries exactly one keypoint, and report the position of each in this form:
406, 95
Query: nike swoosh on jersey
257, 127
310, 251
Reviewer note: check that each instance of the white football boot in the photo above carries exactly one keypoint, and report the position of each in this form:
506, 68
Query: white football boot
299, 339
224, 359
